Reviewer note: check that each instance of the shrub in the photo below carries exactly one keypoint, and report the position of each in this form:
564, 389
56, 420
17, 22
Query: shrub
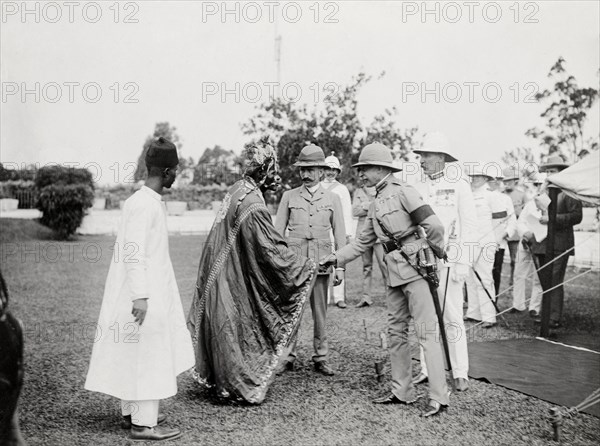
63, 207
196, 196
18, 174
55, 175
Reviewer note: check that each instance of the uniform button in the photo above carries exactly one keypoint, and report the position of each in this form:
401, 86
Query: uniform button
377, 209
311, 215
310, 226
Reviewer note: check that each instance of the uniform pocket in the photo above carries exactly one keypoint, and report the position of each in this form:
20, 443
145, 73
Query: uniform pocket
405, 270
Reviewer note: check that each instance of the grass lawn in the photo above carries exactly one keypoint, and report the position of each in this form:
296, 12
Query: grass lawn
56, 290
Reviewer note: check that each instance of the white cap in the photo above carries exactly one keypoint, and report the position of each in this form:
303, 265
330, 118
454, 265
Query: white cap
333, 162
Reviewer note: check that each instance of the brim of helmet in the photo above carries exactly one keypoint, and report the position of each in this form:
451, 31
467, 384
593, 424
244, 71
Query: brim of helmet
310, 164
449, 158
382, 164
545, 167
490, 178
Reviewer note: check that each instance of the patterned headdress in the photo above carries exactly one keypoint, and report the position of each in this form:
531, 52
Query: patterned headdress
259, 155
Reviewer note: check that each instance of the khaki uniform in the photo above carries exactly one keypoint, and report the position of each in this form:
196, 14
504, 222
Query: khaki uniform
310, 219
400, 208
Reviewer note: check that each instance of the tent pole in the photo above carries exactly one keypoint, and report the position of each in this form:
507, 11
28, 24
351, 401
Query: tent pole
549, 277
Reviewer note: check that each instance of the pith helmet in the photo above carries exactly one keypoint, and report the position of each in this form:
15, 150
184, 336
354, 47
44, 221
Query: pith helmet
511, 173
552, 162
311, 156
333, 162
376, 154
436, 142
484, 169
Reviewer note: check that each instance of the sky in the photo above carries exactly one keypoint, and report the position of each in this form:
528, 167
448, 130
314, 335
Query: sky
83, 83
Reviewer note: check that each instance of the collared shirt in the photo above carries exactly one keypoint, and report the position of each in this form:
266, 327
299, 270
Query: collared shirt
312, 189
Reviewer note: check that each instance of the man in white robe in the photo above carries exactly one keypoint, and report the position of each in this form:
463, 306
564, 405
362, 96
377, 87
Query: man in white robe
142, 342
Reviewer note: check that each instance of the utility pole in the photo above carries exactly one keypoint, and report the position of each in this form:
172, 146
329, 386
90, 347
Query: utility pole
277, 54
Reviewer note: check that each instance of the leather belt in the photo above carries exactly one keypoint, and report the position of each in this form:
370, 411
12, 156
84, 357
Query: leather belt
392, 245
303, 234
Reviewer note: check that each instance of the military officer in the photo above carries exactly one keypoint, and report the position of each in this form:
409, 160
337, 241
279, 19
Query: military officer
517, 194
311, 214
481, 308
393, 218
447, 189
504, 221
330, 182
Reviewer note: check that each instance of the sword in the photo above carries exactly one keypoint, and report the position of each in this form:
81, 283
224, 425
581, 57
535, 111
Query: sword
430, 265
490, 297
440, 316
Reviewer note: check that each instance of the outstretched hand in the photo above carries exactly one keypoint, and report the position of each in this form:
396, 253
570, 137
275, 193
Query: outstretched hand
339, 277
140, 308
328, 260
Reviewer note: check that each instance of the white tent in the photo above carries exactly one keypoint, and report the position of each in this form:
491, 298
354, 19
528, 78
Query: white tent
581, 180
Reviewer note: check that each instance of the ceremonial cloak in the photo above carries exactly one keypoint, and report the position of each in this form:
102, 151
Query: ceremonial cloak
249, 298
131, 361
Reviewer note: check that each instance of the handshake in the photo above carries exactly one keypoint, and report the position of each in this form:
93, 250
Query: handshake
331, 260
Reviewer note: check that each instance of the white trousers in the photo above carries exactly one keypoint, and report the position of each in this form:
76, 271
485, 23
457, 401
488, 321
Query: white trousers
524, 272
143, 412
338, 292
480, 306
453, 322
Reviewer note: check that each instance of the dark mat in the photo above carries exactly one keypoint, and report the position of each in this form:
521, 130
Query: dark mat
559, 374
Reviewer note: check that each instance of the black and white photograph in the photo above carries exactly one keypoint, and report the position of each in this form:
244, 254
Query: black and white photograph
299, 222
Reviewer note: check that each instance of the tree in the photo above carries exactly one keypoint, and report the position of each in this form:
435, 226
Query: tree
336, 129
165, 130
523, 159
566, 114
217, 166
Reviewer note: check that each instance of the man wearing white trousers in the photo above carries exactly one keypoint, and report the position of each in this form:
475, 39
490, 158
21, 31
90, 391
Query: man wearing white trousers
142, 341
525, 268
446, 189
480, 281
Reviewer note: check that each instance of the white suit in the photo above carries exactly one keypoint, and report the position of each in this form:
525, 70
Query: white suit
481, 307
449, 194
129, 361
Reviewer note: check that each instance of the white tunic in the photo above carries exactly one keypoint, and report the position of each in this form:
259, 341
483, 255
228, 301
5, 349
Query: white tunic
503, 218
449, 195
129, 361
484, 205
